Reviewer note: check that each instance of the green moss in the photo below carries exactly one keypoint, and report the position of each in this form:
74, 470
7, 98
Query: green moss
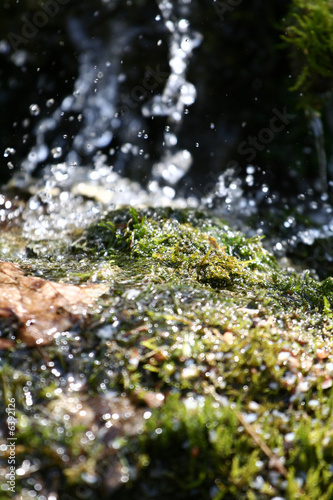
207, 252
206, 372
189, 433
204, 251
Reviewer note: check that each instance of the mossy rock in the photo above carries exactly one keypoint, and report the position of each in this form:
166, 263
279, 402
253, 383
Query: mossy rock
205, 371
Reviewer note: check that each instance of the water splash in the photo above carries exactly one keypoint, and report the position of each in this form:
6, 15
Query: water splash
317, 128
75, 169
178, 92
79, 181
91, 106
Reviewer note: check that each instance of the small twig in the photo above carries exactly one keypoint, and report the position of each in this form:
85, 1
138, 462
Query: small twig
274, 459
256, 438
263, 446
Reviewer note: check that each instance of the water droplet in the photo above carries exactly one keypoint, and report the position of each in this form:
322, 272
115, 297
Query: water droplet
9, 151
4, 47
178, 65
34, 109
49, 103
67, 103
38, 154
56, 152
19, 57
183, 25
169, 192
170, 139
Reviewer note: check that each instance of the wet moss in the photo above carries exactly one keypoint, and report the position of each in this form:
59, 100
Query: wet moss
206, 372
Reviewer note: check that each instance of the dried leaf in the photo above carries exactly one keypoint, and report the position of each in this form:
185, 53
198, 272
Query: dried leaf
43, 308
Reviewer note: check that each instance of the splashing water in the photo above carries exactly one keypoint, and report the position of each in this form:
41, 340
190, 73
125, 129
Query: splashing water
77, 178
316, 125
178, 92
92, 103
93, 110
80, 178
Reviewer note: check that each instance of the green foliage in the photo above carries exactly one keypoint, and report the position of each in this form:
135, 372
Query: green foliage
309, 32
123, 236
208, 253
312, 452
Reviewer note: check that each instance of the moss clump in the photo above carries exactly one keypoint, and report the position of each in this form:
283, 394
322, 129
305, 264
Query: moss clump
204, 250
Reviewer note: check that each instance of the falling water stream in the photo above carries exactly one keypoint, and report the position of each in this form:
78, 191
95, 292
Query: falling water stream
319, 137
178, 92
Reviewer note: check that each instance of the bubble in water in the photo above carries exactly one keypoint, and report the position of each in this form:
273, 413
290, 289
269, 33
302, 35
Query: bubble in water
34, 109
56, 152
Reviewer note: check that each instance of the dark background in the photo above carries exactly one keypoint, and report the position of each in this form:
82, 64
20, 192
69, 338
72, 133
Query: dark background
241, 72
